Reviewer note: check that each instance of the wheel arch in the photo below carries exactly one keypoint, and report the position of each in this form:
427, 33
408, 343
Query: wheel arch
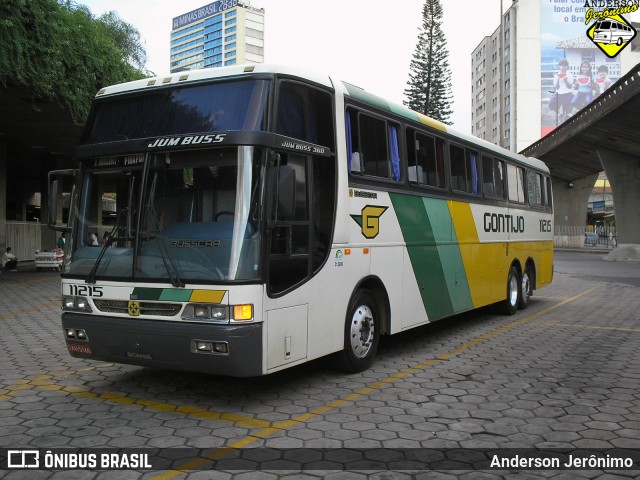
380, 295
531, 265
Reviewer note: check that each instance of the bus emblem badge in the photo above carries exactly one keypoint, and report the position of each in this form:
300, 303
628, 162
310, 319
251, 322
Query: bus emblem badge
369, 220
134, 309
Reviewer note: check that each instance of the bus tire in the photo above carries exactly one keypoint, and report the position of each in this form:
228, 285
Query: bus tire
509, 306
526, 288
361, 334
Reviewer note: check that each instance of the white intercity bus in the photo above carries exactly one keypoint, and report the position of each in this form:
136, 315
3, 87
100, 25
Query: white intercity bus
256, 217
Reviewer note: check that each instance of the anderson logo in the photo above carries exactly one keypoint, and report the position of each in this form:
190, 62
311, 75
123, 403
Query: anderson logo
186, 141
610, 32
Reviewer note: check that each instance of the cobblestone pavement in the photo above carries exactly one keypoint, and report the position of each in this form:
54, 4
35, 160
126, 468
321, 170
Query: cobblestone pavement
564, 373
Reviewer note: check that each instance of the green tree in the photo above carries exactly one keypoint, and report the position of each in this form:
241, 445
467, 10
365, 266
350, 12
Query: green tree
64, 53
429, 87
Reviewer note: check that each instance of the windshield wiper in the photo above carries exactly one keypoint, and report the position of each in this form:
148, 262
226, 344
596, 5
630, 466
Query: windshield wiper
122, 214
172, 271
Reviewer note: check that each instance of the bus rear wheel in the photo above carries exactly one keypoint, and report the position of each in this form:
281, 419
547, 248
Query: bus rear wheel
509, 306
361, 334
526, 288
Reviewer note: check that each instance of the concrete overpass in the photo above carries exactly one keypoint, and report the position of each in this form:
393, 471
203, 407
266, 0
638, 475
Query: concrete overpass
605, 135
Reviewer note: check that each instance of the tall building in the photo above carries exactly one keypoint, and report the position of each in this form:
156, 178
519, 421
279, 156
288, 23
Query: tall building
514, 70
226, 32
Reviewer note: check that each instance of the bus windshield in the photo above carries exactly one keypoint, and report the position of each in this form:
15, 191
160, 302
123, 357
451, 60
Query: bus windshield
188, 216
223, 106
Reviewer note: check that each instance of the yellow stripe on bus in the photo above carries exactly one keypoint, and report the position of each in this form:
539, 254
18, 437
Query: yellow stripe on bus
207, 296
432, 123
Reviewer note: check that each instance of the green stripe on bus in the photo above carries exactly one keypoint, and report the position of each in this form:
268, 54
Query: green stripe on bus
451, 257
163, 294
419, 237
175, 295
142, 293
435, 257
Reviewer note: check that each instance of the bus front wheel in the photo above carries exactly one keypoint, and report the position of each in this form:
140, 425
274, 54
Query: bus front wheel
509, 306
361, 335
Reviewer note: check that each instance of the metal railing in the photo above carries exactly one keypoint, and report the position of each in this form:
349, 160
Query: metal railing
577, 236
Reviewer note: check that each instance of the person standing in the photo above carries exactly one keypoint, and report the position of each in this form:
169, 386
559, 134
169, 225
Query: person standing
563, 85
584, 96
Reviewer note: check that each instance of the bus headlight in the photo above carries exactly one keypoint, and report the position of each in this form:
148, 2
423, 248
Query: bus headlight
206, 312
76, 304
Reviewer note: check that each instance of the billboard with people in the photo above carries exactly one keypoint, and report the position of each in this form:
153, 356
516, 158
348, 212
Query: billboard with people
574, 68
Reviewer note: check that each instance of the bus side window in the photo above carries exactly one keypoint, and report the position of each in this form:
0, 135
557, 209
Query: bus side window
354, 159
472, 172
493, 177
534, 188
515, 177
374, 147
546, 192
464, 170
305, 113
426, 163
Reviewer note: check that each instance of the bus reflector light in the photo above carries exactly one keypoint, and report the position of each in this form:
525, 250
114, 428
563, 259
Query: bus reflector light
221, 347
242, 312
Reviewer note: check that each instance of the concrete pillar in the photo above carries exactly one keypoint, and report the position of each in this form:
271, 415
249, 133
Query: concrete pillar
3, 196
623, 172
570, 199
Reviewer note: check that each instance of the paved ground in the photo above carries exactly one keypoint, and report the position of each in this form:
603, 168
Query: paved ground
563, 374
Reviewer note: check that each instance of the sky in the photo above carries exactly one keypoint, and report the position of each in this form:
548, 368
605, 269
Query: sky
368, 43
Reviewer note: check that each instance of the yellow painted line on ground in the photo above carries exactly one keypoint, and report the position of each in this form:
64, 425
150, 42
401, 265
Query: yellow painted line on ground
23, 283
587, 327
36, 308
46, 382
40, 381
279, 426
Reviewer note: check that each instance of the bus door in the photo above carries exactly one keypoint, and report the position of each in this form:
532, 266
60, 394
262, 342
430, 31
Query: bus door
288, 257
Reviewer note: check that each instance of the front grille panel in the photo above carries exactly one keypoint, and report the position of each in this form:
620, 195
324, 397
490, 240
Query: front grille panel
157, 309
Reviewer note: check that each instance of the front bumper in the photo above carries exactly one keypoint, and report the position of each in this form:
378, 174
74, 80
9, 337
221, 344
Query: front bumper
167, 344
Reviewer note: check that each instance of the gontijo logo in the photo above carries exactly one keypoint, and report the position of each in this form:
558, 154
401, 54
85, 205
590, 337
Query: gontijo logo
369, 220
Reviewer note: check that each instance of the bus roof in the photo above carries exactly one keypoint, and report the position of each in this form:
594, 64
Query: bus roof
351, 90
213, 73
